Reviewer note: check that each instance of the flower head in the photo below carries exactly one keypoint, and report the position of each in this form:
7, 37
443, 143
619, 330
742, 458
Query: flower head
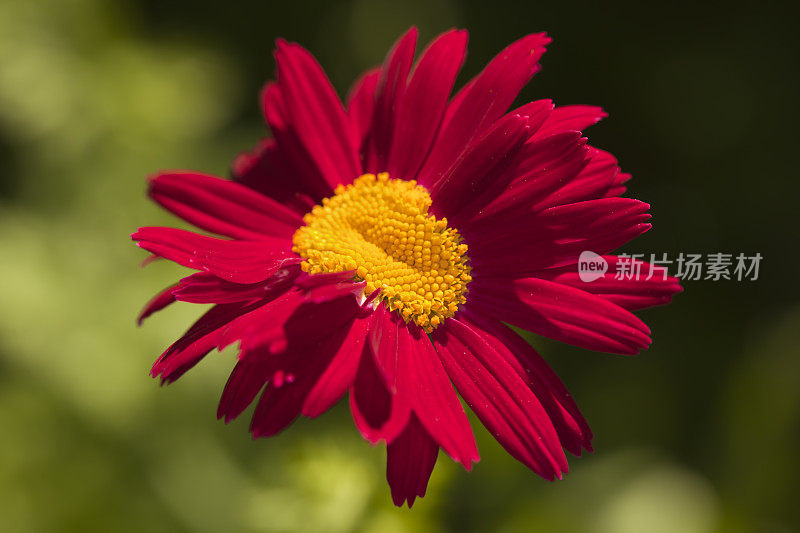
382, 249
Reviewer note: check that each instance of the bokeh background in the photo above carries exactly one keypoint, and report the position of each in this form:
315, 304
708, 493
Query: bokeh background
699, 434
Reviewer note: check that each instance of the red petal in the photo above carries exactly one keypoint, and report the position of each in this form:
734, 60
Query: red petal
384, 344
361, 105
222, 206
268, 170
237, 261
572, 429
544, 166
617, 188
377, 413
482, 101
201, 338
277, 408
637, 292
594, 181
316, 114
410, 459
537, 112
569, 118
500, 398
265, 327
157, 303
478, 166
297, 370
313, 334
519, 243
341, 372
292, 320
245, 382
388, 97
422, 107
432, 396
205, 288
292, 151
561, 313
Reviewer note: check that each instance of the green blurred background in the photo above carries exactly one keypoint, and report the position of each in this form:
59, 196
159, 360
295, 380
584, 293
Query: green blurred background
698, 434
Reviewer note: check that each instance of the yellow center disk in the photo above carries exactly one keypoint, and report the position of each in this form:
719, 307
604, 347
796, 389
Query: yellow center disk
380, 227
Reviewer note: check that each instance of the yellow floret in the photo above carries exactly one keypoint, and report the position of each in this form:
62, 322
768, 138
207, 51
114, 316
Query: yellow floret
380, 228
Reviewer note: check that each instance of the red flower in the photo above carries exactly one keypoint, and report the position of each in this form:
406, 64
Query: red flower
380, 250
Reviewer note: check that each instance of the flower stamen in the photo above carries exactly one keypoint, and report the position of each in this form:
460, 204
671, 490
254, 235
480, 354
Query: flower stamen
380, 228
